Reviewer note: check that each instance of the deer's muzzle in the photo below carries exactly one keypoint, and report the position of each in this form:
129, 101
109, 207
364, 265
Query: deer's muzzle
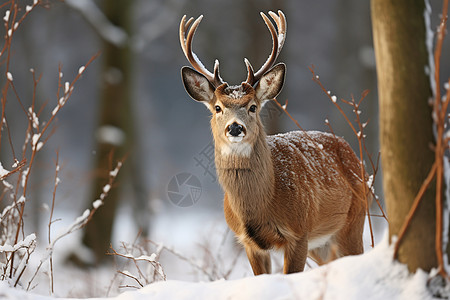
235, 132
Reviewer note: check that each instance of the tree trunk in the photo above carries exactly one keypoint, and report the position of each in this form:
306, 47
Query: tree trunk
405, 124
114, 133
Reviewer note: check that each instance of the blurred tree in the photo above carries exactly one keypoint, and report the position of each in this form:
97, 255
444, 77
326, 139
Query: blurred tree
114, 134
406, 130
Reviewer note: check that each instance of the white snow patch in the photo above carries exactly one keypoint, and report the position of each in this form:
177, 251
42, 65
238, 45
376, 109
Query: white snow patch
6, 17
429, 41
97, 203
55, 110
35, 141
66, 87
373, 275
106, 188
3, 171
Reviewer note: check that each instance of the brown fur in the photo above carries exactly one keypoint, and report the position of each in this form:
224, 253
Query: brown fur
290, 191
299, 191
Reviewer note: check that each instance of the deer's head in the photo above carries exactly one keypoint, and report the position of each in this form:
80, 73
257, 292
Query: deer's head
235, 109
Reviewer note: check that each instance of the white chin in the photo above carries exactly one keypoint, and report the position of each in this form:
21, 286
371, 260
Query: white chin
235, 139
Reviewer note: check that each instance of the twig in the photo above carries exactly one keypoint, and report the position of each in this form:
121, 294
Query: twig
50, 221
131, 276
35, 141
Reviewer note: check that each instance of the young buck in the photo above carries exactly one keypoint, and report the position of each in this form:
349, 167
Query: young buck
297, 191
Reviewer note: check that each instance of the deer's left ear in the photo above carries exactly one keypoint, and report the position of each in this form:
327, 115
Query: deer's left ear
271, 83
197, 85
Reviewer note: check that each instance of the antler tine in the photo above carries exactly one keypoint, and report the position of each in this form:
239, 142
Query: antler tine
217, 79
280, 20
277, 40
250, 73
183, 26
186, 45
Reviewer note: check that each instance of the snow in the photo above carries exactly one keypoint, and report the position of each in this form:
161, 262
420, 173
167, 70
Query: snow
429, 41
35, 140
97, 203
6, 17
334, 99
34, 118
114, 172
26, 243
55, 110
373, 275
106, 188
3, 171
9, 76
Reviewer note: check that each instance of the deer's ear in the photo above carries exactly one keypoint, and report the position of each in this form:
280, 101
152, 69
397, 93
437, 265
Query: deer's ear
271, 83
197, 86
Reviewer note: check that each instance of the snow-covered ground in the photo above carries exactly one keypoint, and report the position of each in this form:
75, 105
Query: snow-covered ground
373, 275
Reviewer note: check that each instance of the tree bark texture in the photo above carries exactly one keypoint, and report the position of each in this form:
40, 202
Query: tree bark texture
406, 133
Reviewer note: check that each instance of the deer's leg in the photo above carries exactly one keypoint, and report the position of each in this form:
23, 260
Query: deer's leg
321, 255
349, 240
259, 260
295, 255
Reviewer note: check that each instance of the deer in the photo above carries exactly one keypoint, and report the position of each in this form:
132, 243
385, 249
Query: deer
299, 191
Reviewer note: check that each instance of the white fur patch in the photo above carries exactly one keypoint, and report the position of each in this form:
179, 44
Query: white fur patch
235, 139
319, 241
238, 148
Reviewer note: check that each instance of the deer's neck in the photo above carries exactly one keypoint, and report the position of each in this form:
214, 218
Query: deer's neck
248, 180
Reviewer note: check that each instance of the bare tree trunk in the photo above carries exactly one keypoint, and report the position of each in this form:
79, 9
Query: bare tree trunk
114, 133
405, 124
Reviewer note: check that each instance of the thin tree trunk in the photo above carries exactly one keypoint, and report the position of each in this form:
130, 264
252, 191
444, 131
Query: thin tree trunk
114, 133
405, 124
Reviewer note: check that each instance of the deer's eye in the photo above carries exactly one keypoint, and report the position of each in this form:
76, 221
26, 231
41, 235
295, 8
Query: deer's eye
252, 108
218, 109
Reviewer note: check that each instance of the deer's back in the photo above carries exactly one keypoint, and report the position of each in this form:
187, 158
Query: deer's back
316, 174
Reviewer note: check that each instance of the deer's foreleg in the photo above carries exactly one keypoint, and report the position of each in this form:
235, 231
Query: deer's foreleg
295, 253
259, 260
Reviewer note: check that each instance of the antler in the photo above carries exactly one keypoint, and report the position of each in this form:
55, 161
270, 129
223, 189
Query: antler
278, 42
186, 44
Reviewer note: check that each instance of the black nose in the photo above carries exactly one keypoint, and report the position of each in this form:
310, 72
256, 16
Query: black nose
235, 129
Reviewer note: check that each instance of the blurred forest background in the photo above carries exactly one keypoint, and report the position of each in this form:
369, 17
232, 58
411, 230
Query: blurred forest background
131, 99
